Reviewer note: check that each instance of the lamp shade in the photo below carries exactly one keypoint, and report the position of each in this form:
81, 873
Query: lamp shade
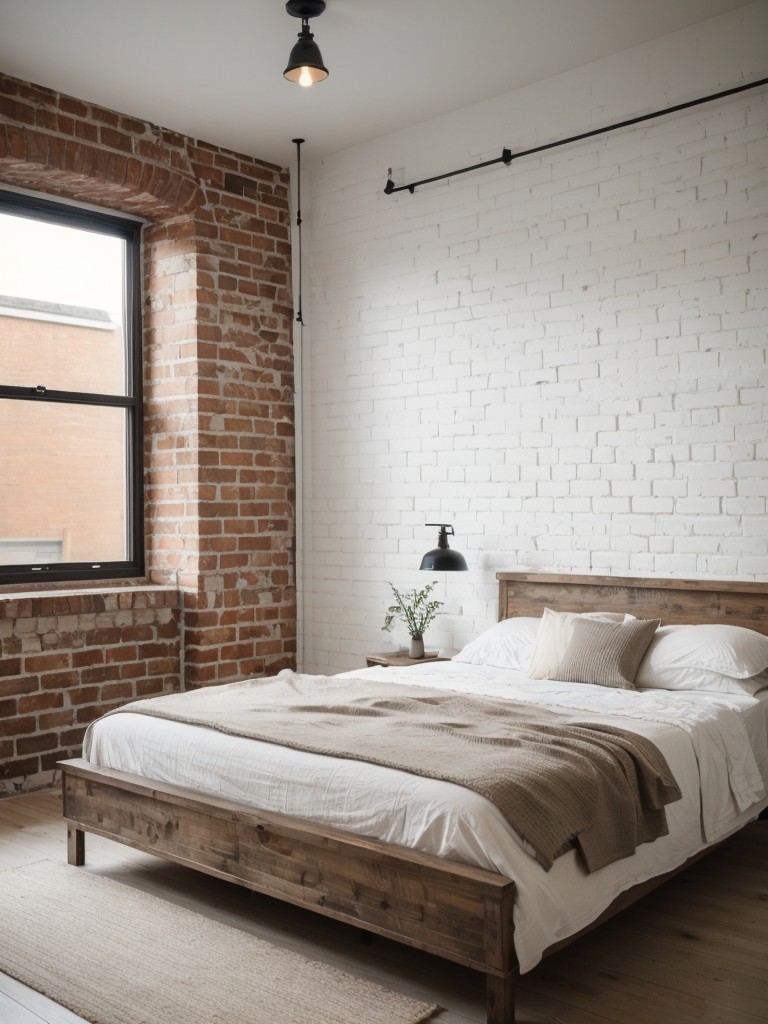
442, 558
305, 64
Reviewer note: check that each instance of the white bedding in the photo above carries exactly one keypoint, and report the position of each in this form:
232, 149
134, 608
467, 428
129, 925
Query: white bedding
715, 745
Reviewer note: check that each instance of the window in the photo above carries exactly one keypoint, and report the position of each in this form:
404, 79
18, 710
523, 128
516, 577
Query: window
71, 503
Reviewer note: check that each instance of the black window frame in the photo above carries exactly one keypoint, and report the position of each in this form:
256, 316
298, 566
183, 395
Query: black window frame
34, 207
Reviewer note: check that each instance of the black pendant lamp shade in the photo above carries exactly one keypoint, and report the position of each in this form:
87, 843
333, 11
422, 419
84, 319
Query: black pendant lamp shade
305, 64
442, 558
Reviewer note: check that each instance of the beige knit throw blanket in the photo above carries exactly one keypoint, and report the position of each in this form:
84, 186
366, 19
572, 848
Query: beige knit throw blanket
603, 788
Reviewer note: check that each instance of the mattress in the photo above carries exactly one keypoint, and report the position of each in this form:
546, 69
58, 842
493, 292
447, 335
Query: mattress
716, 746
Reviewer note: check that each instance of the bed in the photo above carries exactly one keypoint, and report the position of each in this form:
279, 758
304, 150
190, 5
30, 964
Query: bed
486, 909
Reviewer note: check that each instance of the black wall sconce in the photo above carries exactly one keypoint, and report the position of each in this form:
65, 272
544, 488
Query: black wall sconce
305, 64
442, 558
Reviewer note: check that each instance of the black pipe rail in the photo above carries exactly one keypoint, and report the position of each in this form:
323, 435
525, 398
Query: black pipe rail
507, 156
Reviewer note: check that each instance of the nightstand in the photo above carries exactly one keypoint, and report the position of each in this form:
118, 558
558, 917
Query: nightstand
399, 660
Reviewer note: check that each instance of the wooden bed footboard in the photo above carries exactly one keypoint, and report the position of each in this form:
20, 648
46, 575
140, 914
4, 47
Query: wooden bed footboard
455, 911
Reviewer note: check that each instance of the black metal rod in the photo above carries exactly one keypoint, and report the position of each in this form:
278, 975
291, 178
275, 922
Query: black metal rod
40, 393
298, 143
507, 156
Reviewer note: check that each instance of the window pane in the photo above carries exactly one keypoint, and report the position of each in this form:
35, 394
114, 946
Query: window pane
62, 483
61, 307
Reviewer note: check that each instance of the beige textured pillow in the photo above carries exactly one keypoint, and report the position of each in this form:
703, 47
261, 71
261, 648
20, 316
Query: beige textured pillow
606, 653
553, 636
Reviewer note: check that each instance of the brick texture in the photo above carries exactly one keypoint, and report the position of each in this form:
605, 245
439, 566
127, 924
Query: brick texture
219, 452
566, 358
66, 659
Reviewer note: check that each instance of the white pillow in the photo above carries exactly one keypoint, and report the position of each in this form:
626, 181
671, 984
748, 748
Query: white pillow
508, 644
731, 651
700, 679
554, 635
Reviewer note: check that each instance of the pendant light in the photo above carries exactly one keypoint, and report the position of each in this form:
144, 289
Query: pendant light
305, 64
442, 558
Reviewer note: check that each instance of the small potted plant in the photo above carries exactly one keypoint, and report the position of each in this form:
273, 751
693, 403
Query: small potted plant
416, 610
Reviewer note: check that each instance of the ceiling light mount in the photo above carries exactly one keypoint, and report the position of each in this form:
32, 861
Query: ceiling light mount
305, 8
305, 64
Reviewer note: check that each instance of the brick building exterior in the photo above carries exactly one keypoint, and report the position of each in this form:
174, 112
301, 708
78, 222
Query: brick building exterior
61, 486
218, 601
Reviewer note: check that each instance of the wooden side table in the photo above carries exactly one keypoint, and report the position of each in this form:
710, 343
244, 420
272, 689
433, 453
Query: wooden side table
399, 660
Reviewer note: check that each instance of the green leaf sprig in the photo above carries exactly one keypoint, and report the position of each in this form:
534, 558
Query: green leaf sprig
414, 608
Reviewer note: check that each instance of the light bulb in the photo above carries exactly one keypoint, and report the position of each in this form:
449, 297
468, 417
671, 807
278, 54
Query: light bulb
305, 77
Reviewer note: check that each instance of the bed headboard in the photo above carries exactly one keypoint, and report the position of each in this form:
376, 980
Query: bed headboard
671, 600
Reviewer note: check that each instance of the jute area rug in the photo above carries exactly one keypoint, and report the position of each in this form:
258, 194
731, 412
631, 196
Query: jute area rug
114, 955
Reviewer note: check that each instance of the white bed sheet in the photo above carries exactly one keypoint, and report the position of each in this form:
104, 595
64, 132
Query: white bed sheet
447, 820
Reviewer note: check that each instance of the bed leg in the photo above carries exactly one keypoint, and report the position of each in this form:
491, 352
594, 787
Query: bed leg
500, 998
75, 846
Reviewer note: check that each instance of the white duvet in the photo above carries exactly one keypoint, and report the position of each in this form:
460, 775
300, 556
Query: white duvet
715, 744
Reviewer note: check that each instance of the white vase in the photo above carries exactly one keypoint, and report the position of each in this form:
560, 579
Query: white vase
416, 649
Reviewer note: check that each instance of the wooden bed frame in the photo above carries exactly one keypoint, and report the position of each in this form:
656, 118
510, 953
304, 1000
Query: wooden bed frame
461, 913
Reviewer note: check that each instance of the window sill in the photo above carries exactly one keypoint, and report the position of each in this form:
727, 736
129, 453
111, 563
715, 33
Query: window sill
22, 602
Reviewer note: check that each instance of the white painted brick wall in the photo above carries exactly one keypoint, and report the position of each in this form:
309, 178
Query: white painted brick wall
566, 358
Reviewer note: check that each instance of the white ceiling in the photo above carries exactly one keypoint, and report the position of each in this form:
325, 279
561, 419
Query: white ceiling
212, 69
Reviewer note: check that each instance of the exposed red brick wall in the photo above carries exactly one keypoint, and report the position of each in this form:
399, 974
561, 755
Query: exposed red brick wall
220, 514
67, 659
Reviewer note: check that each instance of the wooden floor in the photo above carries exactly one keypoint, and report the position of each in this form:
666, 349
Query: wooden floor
695, 950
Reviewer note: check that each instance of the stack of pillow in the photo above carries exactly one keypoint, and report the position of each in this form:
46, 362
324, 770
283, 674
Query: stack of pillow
726, 659
616, 650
